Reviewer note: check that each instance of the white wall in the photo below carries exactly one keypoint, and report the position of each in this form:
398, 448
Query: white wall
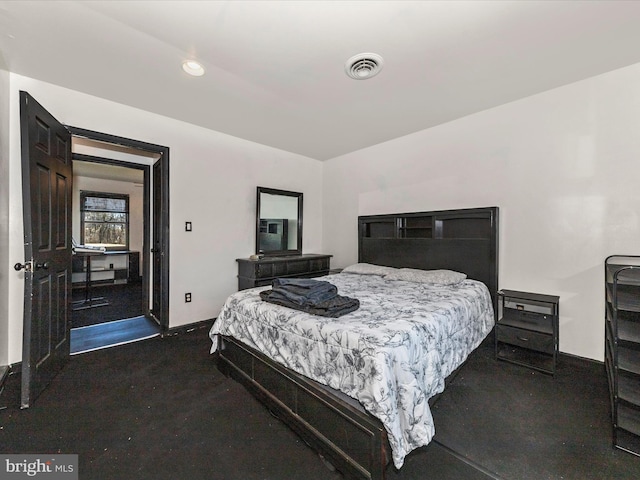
213, 179
136, 200
4, 213
564, 168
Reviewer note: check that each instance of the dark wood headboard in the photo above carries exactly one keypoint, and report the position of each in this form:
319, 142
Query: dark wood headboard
463, 240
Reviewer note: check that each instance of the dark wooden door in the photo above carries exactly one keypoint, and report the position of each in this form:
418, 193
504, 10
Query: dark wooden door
46, 190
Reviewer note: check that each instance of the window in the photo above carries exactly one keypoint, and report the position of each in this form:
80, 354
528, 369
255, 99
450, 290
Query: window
104, 219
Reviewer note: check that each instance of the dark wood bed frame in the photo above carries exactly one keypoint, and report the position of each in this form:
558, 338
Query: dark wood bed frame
351, 440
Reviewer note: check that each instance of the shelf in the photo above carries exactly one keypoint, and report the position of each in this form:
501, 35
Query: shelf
629, 330
629, 276
443, 225
462, 227
629, 388
381, 229
629, 360
416, 222
628, 418
524, 357
626, 441
627, 298
415, 232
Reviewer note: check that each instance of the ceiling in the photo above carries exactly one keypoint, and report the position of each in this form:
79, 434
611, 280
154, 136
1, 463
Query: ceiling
275, 69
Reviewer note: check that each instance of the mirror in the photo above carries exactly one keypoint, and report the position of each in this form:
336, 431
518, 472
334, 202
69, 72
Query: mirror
278, 222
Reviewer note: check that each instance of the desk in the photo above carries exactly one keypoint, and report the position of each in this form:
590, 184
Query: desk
88, 302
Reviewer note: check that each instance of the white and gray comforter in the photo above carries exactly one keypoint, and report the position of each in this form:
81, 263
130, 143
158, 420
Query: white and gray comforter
392, 354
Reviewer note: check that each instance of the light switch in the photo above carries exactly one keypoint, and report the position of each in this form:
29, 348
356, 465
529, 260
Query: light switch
187, 226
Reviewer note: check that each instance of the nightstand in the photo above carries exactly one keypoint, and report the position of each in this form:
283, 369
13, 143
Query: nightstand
527, 329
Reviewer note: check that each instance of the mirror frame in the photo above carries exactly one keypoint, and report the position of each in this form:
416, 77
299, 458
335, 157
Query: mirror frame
287, 193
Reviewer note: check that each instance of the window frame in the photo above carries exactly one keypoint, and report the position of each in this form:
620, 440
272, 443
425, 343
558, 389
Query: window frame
117, 196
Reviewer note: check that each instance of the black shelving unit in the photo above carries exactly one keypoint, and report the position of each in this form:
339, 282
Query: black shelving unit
527, 330
622, 348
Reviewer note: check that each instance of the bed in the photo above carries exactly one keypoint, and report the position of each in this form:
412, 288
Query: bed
357, 388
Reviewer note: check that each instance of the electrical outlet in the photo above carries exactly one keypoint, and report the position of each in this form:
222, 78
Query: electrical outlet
187, 297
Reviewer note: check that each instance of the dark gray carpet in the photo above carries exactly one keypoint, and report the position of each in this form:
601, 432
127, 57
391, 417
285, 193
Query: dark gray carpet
526, 425
159, 409
122, 301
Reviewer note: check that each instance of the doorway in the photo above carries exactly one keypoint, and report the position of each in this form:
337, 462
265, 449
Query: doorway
104, 149
113, 301
110, 302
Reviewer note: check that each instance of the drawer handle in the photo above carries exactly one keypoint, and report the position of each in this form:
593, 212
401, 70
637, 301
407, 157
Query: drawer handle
523, 339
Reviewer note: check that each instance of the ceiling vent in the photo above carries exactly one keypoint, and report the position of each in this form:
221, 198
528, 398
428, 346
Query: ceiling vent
363, 66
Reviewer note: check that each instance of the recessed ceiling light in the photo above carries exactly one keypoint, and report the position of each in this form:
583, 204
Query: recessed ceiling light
193, 68
363, 66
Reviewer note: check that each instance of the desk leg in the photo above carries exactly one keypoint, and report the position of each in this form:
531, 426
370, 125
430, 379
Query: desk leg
89, 301
87, 279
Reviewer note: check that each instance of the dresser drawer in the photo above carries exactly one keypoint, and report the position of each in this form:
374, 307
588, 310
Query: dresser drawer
319, 264
275, 270
539, 342
298, 267
262, 270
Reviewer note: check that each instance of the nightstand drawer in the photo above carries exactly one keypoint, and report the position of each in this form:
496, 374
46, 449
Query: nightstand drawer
539, 322
528, 305
539, 342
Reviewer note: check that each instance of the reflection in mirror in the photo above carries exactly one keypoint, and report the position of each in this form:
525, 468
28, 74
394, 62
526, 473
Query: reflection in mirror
278, 222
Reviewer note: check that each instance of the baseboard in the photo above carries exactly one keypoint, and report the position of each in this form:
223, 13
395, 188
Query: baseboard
571, 356
189, 327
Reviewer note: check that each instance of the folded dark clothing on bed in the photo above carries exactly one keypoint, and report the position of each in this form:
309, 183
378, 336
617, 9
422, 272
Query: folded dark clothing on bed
304, 291
333, 307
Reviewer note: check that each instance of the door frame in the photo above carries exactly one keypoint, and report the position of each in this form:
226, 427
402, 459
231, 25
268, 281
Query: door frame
161, 210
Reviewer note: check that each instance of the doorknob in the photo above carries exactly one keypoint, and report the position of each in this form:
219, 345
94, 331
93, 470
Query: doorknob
42, 266
19, 266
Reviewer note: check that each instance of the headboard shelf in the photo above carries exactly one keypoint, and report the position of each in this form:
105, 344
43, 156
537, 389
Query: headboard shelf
464, 240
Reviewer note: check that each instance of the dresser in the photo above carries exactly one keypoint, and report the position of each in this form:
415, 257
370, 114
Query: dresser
257, 273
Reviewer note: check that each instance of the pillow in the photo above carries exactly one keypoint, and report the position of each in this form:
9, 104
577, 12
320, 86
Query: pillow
368, 269
434, 277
